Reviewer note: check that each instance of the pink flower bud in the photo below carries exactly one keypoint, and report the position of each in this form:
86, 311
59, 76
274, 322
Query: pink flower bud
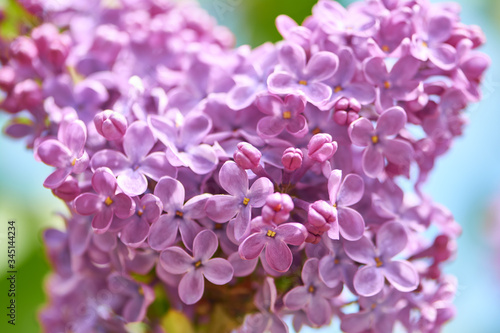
247, 156
320, 215
313, 234
111, 125
277, 208
24, 50
28, 94
292, 159
346, 111
321, 148
68, 190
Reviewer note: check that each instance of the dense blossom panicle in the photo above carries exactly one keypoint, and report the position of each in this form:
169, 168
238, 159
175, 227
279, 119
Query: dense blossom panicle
168, 142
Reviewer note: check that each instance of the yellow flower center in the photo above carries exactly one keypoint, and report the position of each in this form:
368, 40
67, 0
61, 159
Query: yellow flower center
311, 289
424, 44
336, 261
73, 162
387, 84
378, 261
246, 201
375, 139
108, 201
277, 208
179, 213
271, 233
316, 131
287, 115
385, 48
197, 264
303, 82
140, 212
337, 89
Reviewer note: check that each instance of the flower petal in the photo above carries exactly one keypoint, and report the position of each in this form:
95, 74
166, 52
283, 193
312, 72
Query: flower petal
156, 165
362, 251
391, 121
102, 220
361, 132
351, 223
116, 161
401, 274
259, 191
163, 233
104, 182
233, 179
133, 234
252, 246
292, 233
391, 239
132, 182
205, 244
297, 298
138, 141
368, 280
278, 255
176, 261
191, 287
222, 208
373, 162
351, 191
171, 193
88, 203
218, 271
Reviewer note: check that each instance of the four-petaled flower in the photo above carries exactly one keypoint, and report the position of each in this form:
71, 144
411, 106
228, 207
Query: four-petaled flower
369, 279
378, 141
217, 270
106, 203
274, 239
222, 208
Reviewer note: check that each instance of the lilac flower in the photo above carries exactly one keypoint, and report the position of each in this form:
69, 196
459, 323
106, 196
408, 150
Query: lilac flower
292, 159
222, 208
378, 313
251, 80
136, 296
132, 168
66, 153
336, 266
343, 82
179, 217
111, 125
343, 194
106, 203
183, 137
217, 270
281, 115
396, 85
135, 229
429, 40
313, 295
369, 279
266, 319
378, 142
274, 240
297, 77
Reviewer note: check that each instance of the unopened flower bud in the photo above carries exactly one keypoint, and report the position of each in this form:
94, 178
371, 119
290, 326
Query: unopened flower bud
346, 111
320, 215
24, 50
292, 159
277, 208
313, 234
68, 190
111, 125
321, 147
247, 156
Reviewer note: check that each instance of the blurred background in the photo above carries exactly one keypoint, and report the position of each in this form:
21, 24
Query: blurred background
466, 180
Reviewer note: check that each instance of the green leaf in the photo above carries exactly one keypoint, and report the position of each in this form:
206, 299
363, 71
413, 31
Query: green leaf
176, 322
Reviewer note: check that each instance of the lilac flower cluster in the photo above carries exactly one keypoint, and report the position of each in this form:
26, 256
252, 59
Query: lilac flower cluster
275, 172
